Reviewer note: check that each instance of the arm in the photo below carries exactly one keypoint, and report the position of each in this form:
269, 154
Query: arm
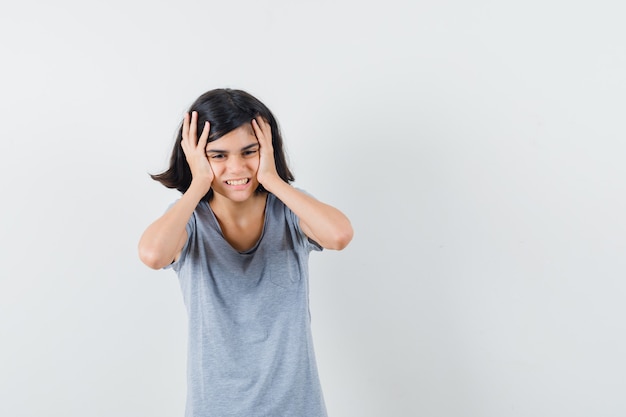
163, 241
323, 223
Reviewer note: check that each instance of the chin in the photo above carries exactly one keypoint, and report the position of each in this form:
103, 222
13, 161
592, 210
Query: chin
237, 196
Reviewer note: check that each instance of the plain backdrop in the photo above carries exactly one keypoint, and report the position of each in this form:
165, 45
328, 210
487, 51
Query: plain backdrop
478, 148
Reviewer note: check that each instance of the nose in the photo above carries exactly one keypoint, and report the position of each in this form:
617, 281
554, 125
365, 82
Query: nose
236, 164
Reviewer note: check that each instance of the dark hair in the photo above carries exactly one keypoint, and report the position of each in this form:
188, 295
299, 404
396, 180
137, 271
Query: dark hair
226, 110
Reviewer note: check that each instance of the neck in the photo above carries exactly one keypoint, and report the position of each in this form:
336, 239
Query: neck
225, 208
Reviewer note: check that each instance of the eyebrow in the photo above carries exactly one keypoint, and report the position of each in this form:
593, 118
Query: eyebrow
245, 148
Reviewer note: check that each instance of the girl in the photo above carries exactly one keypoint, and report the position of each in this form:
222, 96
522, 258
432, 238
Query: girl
239, 239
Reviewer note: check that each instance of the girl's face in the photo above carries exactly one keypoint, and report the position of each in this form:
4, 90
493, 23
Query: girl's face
234, 159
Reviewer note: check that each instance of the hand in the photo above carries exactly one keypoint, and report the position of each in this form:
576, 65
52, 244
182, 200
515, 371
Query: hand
267, 165
195, 150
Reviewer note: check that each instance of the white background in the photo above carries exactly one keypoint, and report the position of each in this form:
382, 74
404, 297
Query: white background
478, 148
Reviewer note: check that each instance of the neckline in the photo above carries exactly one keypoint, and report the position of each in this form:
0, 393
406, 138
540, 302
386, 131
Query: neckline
258, 242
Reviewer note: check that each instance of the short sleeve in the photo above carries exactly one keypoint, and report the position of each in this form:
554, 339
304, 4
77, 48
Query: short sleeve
191, 231
307, 242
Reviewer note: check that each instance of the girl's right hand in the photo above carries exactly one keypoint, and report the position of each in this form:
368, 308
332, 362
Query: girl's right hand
195, 150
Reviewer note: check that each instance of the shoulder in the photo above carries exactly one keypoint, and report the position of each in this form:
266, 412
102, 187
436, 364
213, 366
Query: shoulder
288, 222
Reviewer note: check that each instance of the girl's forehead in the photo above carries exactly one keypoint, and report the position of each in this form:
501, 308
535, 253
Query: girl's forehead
235, 139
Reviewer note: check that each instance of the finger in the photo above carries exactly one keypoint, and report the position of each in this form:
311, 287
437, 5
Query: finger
186, 126
211, 169
204, 136
260, 134
265, 133
193, 128
185, 134
257, 130
266, 128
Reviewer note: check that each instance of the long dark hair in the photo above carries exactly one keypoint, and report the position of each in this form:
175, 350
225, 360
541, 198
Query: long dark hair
226, 110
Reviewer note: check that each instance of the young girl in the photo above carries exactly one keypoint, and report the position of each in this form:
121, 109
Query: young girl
239, 239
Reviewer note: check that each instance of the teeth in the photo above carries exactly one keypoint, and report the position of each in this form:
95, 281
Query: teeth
237, 182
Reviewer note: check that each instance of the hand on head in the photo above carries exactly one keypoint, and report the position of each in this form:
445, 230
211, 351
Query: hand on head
267, 164
195, 149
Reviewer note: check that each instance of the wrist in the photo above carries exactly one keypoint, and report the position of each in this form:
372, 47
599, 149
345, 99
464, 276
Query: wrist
198, 188
272, 183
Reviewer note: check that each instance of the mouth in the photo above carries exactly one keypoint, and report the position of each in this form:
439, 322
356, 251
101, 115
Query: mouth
241, 181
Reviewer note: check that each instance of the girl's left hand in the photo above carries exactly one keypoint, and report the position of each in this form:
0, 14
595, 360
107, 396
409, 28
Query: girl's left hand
267, 166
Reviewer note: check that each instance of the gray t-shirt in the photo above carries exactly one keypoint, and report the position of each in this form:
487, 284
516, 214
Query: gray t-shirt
250, 351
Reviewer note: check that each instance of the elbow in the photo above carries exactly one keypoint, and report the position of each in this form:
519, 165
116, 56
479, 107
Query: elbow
151, 258
341, 239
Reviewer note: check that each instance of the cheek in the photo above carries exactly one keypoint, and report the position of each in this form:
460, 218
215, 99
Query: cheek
255, 162
216, 168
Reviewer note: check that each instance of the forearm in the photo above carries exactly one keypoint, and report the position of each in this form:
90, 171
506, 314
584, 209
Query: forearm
164, 239
321, 222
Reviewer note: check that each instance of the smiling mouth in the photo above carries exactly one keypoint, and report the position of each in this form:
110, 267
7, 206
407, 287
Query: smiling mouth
238, 182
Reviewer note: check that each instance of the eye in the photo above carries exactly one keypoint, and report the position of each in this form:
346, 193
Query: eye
250, 152
217, 156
